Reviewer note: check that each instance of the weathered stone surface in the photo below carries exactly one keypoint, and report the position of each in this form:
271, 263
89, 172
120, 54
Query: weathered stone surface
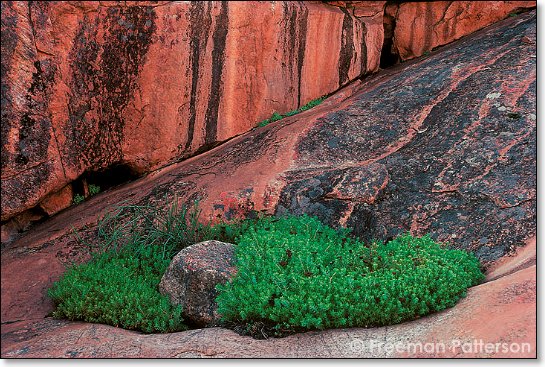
19, 224
499, 311
331, 196
458, 142
370, 13
57, 201
456, 134
31, 166
191, 278
422, 26
90, 85
87, 86
51, 204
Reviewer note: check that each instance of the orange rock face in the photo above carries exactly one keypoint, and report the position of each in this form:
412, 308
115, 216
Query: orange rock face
87, 85
422, 26
57, 201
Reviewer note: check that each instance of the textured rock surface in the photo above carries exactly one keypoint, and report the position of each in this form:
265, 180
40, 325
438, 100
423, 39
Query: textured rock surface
57, 201
192, 276
445, 144
458, 142
88, 85
369, 13
508, 304
422, 26
440, 142
429, 146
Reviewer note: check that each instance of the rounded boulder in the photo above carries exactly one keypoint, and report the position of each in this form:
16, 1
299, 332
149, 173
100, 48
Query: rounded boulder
191, 278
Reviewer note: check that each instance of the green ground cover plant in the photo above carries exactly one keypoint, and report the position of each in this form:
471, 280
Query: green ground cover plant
134, 246
297, 274
294, 274
276, 116
119, 289
93, 190
78, 198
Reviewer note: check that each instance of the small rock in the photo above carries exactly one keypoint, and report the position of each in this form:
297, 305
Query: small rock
191, 278
55, 202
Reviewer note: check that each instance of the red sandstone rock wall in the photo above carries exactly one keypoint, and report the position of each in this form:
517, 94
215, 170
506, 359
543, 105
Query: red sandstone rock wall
422, 26
88, 85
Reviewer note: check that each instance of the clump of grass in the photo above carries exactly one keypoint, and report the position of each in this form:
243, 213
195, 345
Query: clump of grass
297, 274
119, 285
78, 198
276, 116
93, 190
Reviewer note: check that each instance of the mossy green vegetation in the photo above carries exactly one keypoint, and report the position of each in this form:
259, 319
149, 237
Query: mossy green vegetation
119, 289
78, 198
296, 273
134, 246
93, 190
276, 116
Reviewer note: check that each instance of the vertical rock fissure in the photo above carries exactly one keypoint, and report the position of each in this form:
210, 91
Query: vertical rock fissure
347, 47
199, 30
302, 33
218, 58
363, 50
289, 38
388, 56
